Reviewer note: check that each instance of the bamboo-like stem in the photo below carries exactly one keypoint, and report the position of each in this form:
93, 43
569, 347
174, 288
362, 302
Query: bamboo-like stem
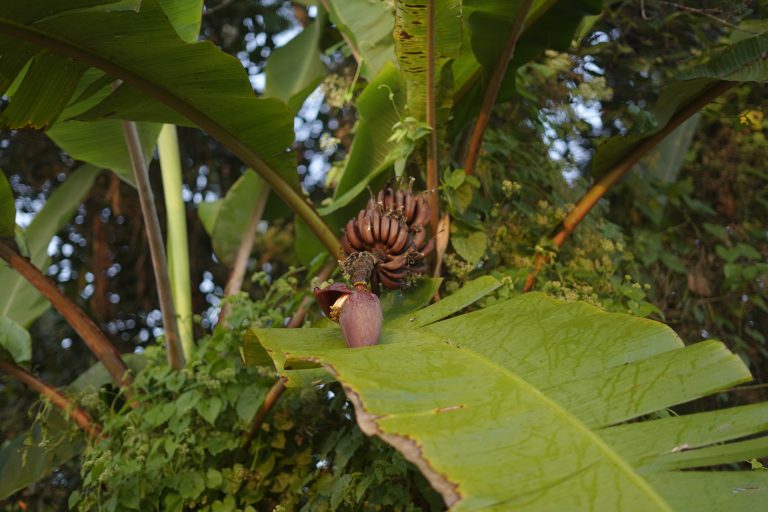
494, 85
237, 274
96, 341
156, 245
178, 245
79, 416
278, 388
189, 110
599, 189
432, 163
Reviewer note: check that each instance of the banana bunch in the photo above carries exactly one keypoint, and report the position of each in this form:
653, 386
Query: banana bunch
393, 228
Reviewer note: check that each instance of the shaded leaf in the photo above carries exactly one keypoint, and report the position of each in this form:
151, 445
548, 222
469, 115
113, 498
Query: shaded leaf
372, 150
209, 408
295, 69
23, 461
410, 35
368, 25
471, 247
102, 143
399, 303
249, 401
166, 84
305, 244
226, 219
549, 25
742, 61
44, 91
15, 340
7, 209
22, 302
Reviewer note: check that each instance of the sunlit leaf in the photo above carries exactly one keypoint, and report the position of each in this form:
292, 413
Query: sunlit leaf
410, 35
534, 392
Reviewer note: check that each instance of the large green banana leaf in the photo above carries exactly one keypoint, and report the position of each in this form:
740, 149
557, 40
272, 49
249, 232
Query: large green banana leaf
412, 50
102, 142
164, 80
531, 404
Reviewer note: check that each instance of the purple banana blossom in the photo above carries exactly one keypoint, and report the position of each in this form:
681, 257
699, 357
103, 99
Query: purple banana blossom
357, 310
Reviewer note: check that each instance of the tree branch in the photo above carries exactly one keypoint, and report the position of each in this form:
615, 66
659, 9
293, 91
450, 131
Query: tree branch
156, 245
79, 416
494, 85
96, 341
432, 164
621, 168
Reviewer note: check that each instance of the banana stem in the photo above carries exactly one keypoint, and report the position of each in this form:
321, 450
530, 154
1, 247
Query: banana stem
178, 245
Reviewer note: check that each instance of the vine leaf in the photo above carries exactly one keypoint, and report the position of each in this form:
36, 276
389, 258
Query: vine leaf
519, 406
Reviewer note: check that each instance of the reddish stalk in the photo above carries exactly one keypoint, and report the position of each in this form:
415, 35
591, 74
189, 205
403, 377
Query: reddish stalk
273, 395
235, 280
79, 416
99, 344
432, 164
599, 189
492, 92
278, 388
156, 246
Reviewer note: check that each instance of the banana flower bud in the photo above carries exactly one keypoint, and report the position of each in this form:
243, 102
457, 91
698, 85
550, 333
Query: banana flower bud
357, 310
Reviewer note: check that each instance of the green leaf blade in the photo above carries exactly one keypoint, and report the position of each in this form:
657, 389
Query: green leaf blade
513, 407
15, 340
7, 208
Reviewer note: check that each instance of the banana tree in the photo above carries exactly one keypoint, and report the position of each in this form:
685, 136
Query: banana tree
527, 404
